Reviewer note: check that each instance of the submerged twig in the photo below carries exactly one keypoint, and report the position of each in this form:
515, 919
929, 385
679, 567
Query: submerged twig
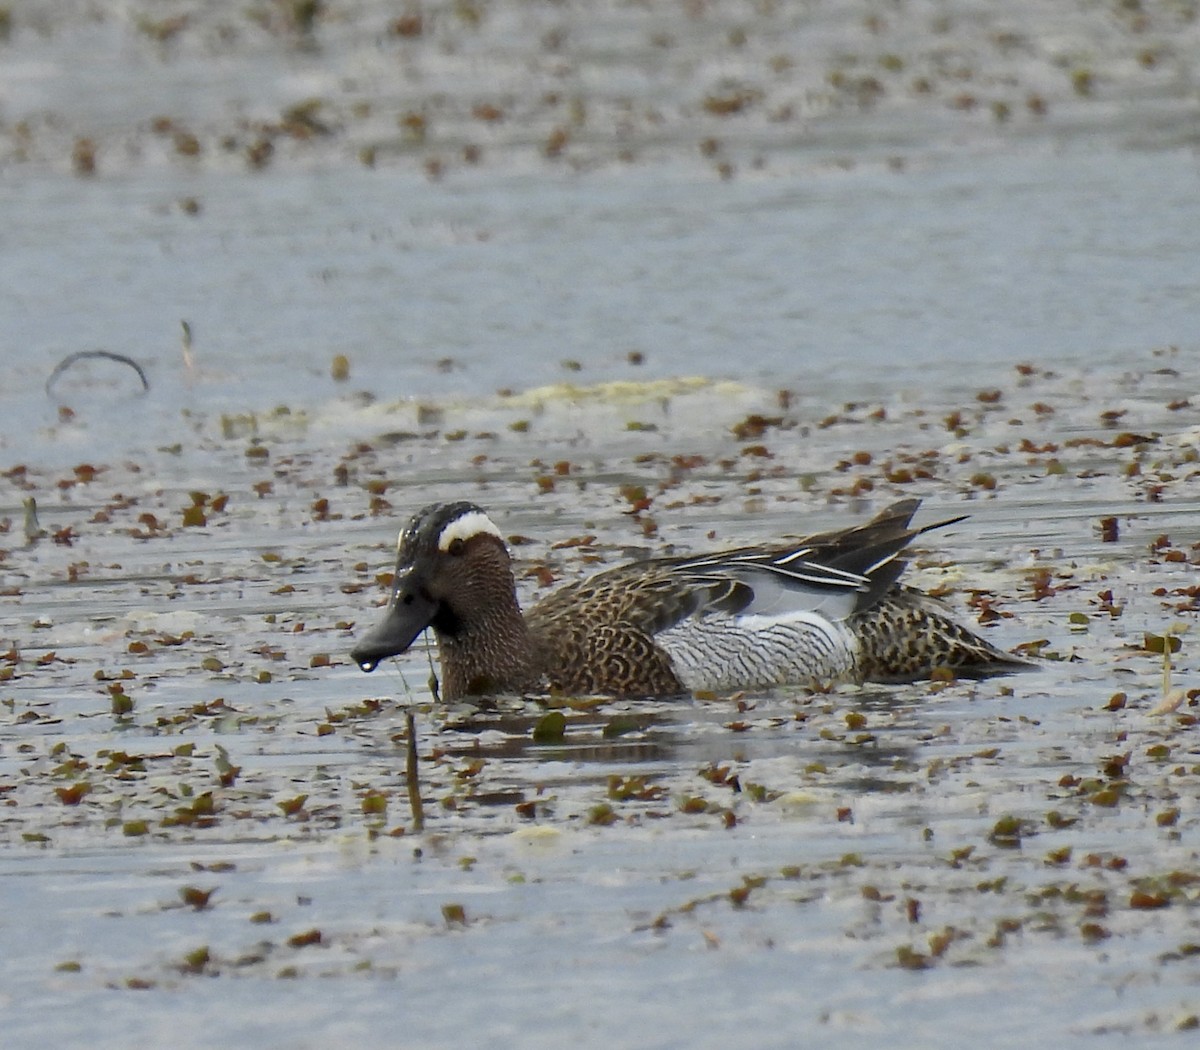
1166, 666
33, 528
106, 355
411, 775
186, 346
1172, 699
434, 689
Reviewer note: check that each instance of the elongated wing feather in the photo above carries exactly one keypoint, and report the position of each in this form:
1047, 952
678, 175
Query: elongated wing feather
835, 574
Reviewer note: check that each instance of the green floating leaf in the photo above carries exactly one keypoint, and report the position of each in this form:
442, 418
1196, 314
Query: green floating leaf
1007, 832
550, 728
1155, 643
195, 960
620, 725
1108, 797
122, 702
602, 814
374, 803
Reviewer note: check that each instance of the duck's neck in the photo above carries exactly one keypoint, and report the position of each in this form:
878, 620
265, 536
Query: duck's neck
489, 653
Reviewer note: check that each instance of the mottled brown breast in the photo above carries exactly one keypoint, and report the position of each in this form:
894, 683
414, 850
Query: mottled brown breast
597, 636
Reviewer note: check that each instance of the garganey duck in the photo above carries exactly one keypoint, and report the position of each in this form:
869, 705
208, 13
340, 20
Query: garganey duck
822, 610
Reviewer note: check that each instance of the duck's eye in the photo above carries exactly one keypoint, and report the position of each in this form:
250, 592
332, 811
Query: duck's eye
456, 546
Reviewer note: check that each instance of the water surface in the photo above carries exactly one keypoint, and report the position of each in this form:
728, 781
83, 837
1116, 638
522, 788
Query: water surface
997, 316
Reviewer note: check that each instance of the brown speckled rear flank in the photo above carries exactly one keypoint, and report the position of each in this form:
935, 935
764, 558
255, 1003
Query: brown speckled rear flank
907, 636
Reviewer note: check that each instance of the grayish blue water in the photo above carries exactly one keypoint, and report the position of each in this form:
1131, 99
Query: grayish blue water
887, 280
885, 244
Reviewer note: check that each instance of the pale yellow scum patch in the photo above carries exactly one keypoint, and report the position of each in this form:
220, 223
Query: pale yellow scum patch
624, 391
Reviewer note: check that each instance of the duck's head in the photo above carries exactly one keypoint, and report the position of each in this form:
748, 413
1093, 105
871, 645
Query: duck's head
452, 567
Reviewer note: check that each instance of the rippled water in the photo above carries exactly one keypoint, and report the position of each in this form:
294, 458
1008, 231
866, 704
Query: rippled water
842, 286
1004, 327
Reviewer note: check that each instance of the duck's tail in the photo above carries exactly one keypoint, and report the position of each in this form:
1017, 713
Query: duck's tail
907, 635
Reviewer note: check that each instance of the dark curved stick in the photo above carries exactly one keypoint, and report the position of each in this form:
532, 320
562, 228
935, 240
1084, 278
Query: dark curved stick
107, 355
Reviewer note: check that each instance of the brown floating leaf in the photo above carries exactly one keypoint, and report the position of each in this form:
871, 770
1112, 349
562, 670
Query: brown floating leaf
622, 789
556, 143
194, 517
454, 914
1127, 439
732, 102
73, 795
1157, 643
754, 426
909, 959
196, 898
292, 806
305, 939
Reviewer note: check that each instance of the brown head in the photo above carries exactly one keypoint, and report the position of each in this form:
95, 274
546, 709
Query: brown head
454, 574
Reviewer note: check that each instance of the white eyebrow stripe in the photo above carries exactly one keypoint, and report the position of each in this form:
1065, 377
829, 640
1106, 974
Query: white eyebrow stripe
473, 523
